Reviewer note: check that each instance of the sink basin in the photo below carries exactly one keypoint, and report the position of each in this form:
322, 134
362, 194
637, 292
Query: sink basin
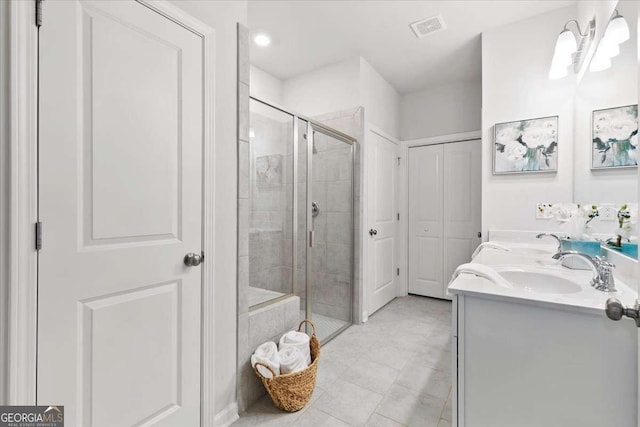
531, 251
540, 282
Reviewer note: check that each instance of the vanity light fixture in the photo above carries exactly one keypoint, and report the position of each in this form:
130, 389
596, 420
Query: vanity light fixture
570, 48
618, 29
616, 33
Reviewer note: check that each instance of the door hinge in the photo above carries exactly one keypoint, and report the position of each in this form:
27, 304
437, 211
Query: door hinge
398, 216
39, 13
38, 236
398, 271
399, 160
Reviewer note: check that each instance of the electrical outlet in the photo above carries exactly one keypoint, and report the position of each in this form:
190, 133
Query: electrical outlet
607, 213
543, 211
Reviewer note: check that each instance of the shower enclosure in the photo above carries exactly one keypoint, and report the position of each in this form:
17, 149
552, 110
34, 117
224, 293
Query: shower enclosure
301, 216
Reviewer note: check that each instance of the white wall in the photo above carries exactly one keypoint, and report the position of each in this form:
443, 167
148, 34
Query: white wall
266, 87
444, 110
223, 16
324, 90
515, 86
337, 87
380, 100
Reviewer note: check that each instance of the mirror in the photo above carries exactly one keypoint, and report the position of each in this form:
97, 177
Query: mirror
605, 131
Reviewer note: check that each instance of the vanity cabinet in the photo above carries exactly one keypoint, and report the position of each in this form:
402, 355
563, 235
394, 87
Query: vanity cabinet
534, 364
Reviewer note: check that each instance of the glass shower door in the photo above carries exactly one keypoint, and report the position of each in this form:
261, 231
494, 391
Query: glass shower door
329, 296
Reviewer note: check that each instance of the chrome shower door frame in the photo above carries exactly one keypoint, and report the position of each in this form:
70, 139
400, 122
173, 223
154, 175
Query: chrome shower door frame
312, 128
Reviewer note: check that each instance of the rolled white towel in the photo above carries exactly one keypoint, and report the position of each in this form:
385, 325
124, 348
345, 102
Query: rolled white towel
483, 271
493, 245
300, 340
267, 353
291, 360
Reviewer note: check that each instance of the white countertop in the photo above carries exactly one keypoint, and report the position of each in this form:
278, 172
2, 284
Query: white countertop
528, 256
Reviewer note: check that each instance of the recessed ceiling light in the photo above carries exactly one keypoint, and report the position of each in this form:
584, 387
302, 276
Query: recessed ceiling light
261, 39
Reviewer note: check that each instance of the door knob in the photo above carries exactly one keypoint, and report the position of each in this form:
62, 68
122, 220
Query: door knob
192, 260
373, 232
615, 310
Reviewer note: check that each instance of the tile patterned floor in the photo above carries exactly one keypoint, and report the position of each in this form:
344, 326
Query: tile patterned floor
325, 325
395, 370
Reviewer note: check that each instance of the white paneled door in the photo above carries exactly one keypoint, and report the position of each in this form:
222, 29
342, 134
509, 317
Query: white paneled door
383, 222
444, 213
425, 220
462, 204
121, 141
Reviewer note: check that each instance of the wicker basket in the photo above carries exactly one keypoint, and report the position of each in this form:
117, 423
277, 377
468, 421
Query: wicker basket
290, 392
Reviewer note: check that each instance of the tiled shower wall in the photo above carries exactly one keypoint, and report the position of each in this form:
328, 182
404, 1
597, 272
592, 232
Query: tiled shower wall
270, 243
267, 323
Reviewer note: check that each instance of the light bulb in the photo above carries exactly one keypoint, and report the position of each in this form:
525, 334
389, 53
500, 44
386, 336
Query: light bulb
599, 62
561, 60
262, 40
608, 47
557, 72
566, 43
618, 29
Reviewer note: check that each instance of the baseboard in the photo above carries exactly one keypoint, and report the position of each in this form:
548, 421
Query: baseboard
227, 416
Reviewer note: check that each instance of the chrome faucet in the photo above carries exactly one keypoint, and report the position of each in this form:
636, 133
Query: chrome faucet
541, 235
602, 270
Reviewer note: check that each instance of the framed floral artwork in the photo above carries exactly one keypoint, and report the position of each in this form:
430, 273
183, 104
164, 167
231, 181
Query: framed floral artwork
526, 146
615, 138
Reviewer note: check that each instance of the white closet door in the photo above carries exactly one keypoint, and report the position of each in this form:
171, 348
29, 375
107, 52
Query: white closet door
462, 204
121, 139
425, 221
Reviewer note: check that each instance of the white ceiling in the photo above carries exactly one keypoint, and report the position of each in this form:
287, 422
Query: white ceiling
313, 33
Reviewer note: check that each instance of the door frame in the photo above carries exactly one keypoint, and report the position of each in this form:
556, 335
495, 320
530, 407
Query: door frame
19, 196
399, 235
404, 188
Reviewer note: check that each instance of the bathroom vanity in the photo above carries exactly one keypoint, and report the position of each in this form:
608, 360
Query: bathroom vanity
537, 349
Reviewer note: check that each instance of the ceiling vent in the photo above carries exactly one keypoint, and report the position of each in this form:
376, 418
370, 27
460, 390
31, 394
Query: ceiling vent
428, 26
